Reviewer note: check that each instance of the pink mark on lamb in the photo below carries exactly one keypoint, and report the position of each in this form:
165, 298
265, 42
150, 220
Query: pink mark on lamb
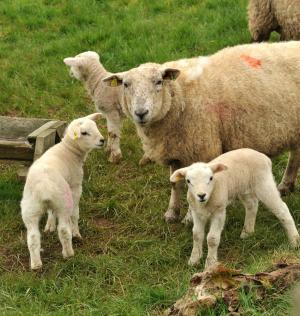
251, 61
68, 198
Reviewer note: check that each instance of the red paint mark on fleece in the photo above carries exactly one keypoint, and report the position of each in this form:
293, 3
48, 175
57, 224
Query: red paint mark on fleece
251, 61
68, 198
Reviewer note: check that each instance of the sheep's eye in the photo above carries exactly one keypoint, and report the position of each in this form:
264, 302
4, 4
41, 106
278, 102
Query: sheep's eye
188, 181
159, 82
210, 179
84, 133
126, 84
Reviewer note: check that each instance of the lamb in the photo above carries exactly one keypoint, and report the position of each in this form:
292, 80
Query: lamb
266, 16
248, 176
54, 183
243, 96
87, 68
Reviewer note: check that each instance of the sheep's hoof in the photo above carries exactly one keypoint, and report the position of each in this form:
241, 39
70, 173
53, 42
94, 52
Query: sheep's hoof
245, 234
68, 254
210, 263
295, 243
36, 266
188, 219
286, 188
172, 215
50, 228
115, 158
193, 261
144, 161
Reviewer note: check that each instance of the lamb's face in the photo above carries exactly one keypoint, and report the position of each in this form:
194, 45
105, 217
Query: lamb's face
200, 178
79, 64
85, 132
144, 92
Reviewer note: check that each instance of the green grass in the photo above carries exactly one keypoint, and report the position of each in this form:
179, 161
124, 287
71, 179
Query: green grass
130, 261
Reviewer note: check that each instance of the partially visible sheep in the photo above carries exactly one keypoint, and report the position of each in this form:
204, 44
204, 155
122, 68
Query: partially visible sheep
266, 16
242, 96
54, 183
248, 176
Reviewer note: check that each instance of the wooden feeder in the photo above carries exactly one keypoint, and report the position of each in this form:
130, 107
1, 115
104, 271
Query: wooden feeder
26, 139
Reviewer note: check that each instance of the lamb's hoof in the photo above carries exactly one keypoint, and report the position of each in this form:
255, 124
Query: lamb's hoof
68, 254
188, 219
36, 266
295, 243
286, 189
193, 262
172, 216
50, 228
210, 264
77, 238
115, 158
144, 161
245, 234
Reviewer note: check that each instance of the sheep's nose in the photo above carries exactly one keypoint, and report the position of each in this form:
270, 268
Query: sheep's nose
201, 196
141, 113
101, 142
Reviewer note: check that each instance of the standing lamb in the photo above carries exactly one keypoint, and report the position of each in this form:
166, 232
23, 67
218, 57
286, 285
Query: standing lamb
54, 183
243, 96
243, 173
87, 68
266, 16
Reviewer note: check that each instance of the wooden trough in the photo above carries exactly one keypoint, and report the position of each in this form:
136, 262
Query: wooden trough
26, 139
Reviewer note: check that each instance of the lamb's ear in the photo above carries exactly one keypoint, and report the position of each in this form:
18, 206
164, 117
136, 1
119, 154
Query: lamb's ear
94, 116
72, 61
170, 73
178, 175
217, 167
74, 130
113, 80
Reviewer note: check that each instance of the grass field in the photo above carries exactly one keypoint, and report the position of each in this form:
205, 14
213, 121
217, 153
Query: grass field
130, 261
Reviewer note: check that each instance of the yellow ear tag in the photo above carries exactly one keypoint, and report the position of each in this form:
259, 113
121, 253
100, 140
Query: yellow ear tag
114, 82
75, 135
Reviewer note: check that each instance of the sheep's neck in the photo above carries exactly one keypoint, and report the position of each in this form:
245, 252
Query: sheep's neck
71, 146
95, 75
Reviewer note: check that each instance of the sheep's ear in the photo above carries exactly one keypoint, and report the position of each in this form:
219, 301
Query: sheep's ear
94, 116
74, 131
113, 80
72, 61
178, 175
217, 167
170, 73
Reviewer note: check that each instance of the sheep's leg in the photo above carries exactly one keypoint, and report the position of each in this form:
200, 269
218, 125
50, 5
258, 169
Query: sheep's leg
51, 222
250, 203
269, 195
75, 214
290, 175
113, 120
31, 220
144, 160
214, 236
65, 235
198, 237
173, 211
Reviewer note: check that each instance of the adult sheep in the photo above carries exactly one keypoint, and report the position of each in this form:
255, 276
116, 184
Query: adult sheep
266, 16
244, 96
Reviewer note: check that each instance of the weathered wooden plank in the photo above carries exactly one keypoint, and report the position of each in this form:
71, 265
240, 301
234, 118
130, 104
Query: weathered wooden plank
38, 131
17, 150
19, 128
44, 141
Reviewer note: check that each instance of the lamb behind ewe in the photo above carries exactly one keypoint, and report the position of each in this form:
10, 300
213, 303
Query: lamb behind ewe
87, 68
266, 16
54, 183
242, 173
243, 96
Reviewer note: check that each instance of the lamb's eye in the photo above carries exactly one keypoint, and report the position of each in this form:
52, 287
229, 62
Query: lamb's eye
159, 82
188, 181
210, 179
84, 133
126, 84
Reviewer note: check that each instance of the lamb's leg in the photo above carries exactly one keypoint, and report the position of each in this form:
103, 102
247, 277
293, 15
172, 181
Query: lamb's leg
65, 234
188, 218
250, 203
214, 236
51, 222
198, 236
144, 160
31, 221
288, 181
173, 212
113, 120
269, 195
76, 192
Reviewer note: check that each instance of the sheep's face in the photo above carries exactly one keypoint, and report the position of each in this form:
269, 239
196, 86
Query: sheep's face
85, 133
144, 92
200, 178
79, 65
